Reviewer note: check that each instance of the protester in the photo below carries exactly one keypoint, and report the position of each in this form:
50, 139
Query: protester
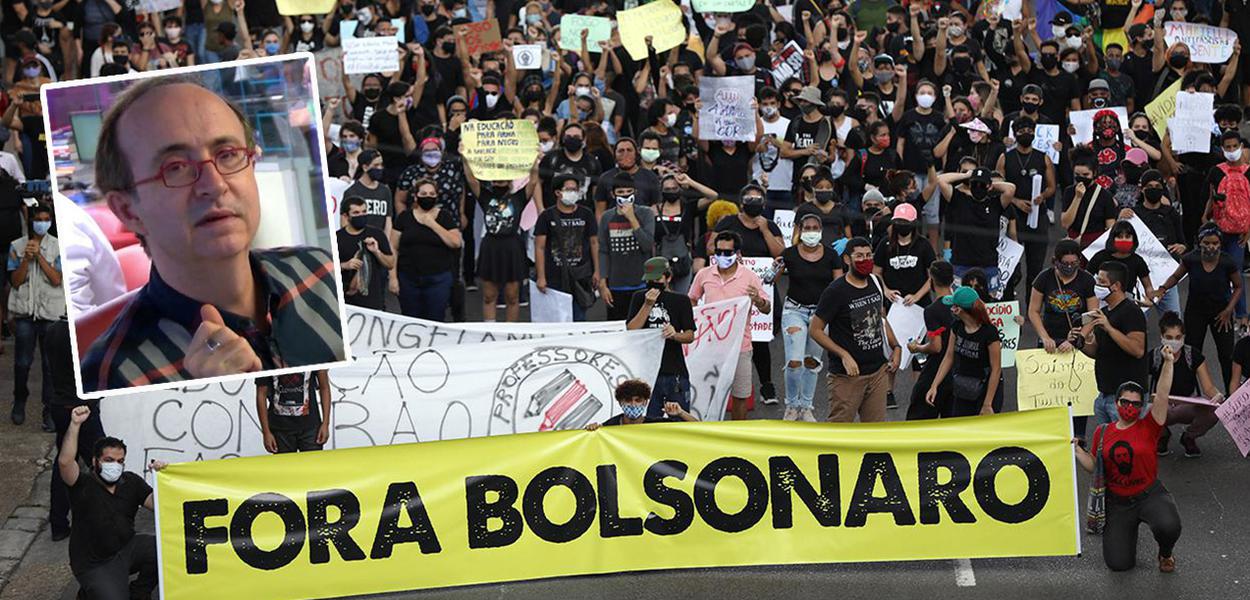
64, 400
660, 308
938, 319
365, 254
811, 266
1190, 378
566, 244
294, 411
973, 359
633, 396
36, 301
626, 241
426, 239
1115, 337
501, 264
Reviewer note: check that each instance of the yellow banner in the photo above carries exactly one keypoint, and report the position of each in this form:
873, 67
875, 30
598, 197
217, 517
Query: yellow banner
1061, 379
628, 498
1163, 107
661, 20
500, 150
305, 7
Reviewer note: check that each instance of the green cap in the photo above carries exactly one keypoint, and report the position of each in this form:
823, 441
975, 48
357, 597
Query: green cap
654, 269
964, 297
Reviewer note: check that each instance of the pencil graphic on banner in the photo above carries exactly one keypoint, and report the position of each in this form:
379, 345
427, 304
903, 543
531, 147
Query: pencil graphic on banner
563, 405
547, 393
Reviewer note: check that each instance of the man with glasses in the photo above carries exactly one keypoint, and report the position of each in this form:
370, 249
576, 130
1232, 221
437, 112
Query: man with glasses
183, 181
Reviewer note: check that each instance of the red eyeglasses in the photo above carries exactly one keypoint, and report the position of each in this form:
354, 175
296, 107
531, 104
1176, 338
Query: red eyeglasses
183, 173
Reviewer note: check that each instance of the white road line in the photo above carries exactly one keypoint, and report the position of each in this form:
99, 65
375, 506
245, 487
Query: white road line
964, 577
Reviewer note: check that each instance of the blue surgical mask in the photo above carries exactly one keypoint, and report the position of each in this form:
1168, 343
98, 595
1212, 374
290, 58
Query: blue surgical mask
41, 227
634, 411
272, 48
351, 145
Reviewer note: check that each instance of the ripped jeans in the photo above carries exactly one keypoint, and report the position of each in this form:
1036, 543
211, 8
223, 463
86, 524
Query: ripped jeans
801, 350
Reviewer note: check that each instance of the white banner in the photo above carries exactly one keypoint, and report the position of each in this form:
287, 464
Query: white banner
712, 357
907, 322
1009, 253
1207, 44
762, 324
1157, 258
376, 332
370, 55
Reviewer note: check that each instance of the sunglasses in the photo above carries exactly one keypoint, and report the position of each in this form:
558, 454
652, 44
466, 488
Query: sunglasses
1133, 403
723, 252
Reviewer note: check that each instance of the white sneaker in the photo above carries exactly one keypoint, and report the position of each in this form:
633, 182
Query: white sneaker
806, 415
792, 414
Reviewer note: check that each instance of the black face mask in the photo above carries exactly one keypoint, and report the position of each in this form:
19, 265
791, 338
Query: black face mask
372, 94
671, 196
1148, 43
979, 191
893, 27
1152, 195
1084, 180
904, 230
962, 64
449, 47
1132, 173
427, 9
1024, 139
572, 144
359, 221
1050, 61
426, 202
655, 285
1030, 107
752, 210
834, 110
824, 196
1178, 61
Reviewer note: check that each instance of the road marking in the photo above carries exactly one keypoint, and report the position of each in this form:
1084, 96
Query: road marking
964, 577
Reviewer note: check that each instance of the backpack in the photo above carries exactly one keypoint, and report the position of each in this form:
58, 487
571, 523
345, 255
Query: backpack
674, 248
1231, 206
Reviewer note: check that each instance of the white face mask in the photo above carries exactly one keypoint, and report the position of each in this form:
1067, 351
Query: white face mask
110, 472
925, 100
491, 100
1071, 67
570, 197
581, 90
768, 111
844, 44
1074, 41
1232, 156
649, 155
307, 27
1101, 292
810, 238
955, 31
460, 13
546, 147
173, 32
1175, 345
724, 262
364, 15
670, 119
1058, 31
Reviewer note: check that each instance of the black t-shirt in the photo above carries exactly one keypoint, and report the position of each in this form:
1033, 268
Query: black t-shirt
1104, 209
972, 349
671, 309
568, 239
938, 320
315, 42
921, 133
353, 246
450, 75
379, 203
1133, 263
1164, 222
1141, 69
1057, 92
1114, 13
1112, 365
974, 241
753, 244
1184, 373
905, 268
729, 172
421, 251
872, 167
103, 522
808, 279
1209, 289
853, 320
293, 402
1063, 303
557, 161
501, 212
832, 224
802, 134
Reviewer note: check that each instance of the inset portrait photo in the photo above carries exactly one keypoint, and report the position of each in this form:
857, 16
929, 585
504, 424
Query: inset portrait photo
195, 238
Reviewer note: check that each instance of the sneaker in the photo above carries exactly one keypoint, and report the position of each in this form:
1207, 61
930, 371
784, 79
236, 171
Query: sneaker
523, 303
49, 426
58, 535
791, 414
807, 416
18, 416
1191, 447
769, 393
1167, 564
890, 400
1164, 438
470, 287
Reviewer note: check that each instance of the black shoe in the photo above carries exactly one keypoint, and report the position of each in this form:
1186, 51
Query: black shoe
59, 535
1191, 447
890, 400
768, 393
49, 426
19, 413
1164, 437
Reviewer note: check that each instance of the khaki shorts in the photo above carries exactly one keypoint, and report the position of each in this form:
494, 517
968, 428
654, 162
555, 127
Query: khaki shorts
742, 387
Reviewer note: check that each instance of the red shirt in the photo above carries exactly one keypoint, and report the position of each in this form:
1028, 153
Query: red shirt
1130, 461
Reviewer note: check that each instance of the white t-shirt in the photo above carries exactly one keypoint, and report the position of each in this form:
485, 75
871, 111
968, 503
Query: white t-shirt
782, 175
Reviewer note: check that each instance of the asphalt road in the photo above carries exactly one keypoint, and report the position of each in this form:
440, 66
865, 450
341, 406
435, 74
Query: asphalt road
1213, 555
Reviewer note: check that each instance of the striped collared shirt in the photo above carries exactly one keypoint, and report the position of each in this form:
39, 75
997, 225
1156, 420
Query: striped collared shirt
147, 342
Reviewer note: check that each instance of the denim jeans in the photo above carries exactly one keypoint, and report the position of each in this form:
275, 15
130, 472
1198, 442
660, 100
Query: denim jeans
669, 388
425, 296
1170, 302
800, 347
29, 332
1237, 251
194, 34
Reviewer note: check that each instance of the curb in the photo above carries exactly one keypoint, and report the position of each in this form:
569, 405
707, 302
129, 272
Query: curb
22, 527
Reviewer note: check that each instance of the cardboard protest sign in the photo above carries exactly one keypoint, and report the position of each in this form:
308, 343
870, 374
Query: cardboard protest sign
907, 323
527, 56
1157, 258
370, 55
292, 8
1044, 139
480, 37
1234, 413
1207, 44
329, 73
1009, 253
788, 62
726, 113
722, 6
500, 150
762, 324
571, 27
661, 20
1162, 108
1083, 121
1003, 317
1047, 380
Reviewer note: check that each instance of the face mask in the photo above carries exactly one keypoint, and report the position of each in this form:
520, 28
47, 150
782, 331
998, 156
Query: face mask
449, 47
768, 111
1128, 412
835, 110
1058, 31
1179, 15
358, 221
431, 158
979, 191
1209, 253
572, 144
1113, 64
364, 15
546, 146
1025, 140
121, 59
1123, 246
623, 200
1101, 292
655, 285
173, 32
376, 174
351, 145
884, 76
533, 19
427, 202
41, 227
844, 44
925, 100
863, 267
1074, 41
491, 100
1175, 345
307, 26
671, 196
1030, 107
963, 64
883, 143
863, 65
634, 412
570, 197
649, 154
460, 13
1232, 155
811, 238
1066, 269
31, 72
904, 230
1099, 102
824, 196
670, 119
1071, 67
427, 9
272, 48
110, 472
724, 262
1108, 132
1178, 61
752, 210
1049, 61
1148, 43
955, 31
893, 27
746, 63
1152, 195
372, 94
1082, 179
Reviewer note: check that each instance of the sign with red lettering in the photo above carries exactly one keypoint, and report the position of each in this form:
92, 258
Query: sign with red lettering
1003, 316
480, 37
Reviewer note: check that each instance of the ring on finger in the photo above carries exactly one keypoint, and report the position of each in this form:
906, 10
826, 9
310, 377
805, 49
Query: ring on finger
212, 344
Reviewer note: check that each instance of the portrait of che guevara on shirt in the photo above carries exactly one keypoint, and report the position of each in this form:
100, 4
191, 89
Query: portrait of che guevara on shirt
176, 165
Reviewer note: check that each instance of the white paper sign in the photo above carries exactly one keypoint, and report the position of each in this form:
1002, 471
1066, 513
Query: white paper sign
528, 56
1083, 122
1207, 44
1158, 259
761, 324
1189, 135
785, 222
907, 322
1009, 253
1003, 317
370, 55
788, 62
158, 6
726, 112
1044, 139
553, 306
1234, 413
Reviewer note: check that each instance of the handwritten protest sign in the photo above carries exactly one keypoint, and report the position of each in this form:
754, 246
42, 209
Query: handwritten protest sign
1045, 380
726, 112
1083, 121
347, 29
1003, 317
158, 6
293, 8
785, 222
1044, 139
1234, 413
527, 56
1009, 253
370, 55
500, 150
329, 73
660, 19
761, 324
1189, 135
599, 29
1158, 259
722, 6
907, 323
479, 37
1207, 44
788, 62
1162, 108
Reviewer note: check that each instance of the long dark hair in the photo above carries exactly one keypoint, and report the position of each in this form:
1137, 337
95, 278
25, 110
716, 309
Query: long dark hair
978, 312
1121, 228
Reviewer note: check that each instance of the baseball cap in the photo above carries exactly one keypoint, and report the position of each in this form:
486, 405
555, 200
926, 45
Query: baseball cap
905, 213
1061, 18
1032, 88
976, 124
980, 175
964, 297
1098, 84
1136, 156
655, 268
883, 58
